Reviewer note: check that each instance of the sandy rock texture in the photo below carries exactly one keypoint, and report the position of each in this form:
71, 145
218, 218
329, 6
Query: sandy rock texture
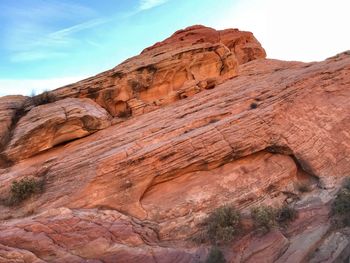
136, 188
194, 59
243, 44
63, 235
10, 112
52, 124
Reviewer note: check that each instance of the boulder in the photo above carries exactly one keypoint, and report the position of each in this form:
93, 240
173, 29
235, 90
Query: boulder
48, 125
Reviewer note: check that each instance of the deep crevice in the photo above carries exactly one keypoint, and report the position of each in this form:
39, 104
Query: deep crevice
202, 165
223, 64
19, 113
300, 163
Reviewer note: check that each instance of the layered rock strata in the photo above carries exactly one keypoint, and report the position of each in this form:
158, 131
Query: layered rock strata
136, 188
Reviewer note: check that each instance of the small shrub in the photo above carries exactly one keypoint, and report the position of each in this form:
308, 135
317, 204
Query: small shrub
43, 98
346, 183
215, 256
253, 105
200, 237
223, 224
286, 214
263, 217
341, 205
23, 189
303, 188
345, 221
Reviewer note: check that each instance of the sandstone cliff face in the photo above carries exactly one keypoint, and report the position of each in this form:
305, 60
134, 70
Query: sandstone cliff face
192, 60
136, 188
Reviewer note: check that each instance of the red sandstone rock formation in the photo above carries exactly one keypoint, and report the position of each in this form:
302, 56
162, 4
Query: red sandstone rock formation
186, 137
192, 60
46, 126
9, 107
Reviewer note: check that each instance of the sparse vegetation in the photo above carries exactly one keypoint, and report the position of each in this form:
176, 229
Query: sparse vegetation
346, 183
286, 214
23, 189
303, 188
43, 98
126, 113
341, 205
223, 224
200, 237
263, 217
253, 105
215, 256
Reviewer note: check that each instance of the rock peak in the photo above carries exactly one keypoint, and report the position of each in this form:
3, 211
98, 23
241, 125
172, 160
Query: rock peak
244, 44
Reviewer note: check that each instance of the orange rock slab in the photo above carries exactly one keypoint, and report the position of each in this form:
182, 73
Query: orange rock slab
200, 119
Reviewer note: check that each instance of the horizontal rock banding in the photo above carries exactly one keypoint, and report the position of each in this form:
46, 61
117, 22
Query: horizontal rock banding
46, 126
137, 187
198, 58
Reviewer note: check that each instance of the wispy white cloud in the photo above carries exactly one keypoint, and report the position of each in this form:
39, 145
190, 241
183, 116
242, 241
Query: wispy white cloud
32, 33
28, 86
76, 28
143, 5
37, 45
148, 4
94, 44
36, 55
42, 10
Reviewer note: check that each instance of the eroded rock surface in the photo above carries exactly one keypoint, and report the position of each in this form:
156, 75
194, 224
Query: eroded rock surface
48, 125
334, 248
243, 44
209, 130
138, 190
192, 60
9, 107
63, 235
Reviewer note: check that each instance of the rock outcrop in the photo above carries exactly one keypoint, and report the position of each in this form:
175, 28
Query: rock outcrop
136, 188
192, 60
10, 107
46, 126
243, 44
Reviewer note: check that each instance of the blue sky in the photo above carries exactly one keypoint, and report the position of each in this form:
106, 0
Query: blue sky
47, 43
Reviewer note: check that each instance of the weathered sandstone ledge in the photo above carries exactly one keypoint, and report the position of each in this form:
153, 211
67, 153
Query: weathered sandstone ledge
136, 188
